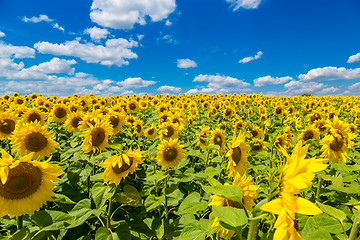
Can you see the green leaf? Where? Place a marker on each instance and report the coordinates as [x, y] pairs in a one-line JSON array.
[[22, 234], [319, 235], [334, 212], [101, 193], [192, 204], [152, 202], [230, 218], [123, 231], [103, 234], [52, 220], [231, 192], [130, 196]]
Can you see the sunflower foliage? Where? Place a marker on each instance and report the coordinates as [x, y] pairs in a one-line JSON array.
[[183, 167]]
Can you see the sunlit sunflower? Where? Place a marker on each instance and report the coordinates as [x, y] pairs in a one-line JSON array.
[[138, 128], [72, 123], [310, 132], [228, 112], [170, 153], [237, 154], [7, 124], [258, 145], [168, 131], [282, 141], [203, 137], [321, 125], [34, 114], [333, 146], [59, 112], [239, 125], [129, 120], [25, 184], [249, 194], [256, 132], [33, 137], [218, 138], [132, 106], [96, 137], [150, 132], [119, 166], [117, 120]]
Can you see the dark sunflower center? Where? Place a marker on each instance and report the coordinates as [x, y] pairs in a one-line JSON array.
[[73, 109], [254, 133], [7, 126], [124, 166], [114, 121], [22, 181], [97, 136], [257, 147], [228, 112], [132, 106], [278, 110], [232, 203], [236, 155], [337, 143], [35, 142], [151, 131], [19, 101], [60, 112], [308, 135], [138, 128], [321, 127], [75, 122], [33, 117], [218, 140], [169, 131], [201, 137], [170, 154], [315, 117]]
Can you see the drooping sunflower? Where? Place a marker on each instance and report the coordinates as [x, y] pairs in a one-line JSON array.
[[25, 184], [249, 194], [96, 137], [33, 137], [237, 155], [150, 132], [218, 138], [72, 123], [119, 166], [7, 124], [34, 114], [282, 141], [59, 112], [170, 153]]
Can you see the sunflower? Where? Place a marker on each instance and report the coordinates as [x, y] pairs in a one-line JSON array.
[[249, 194], [228, 112], [150, 132], [72, 123], [25, 184], [255, 132], [96, 137], [7, 124], [34, 114], [321, 125], [258, 145], [119, 166], [237, 154], [116, 120], [168, 131], [203, 136], [132, 106], [217, 138], [59, 112], [310, 132], [138, 127], [282, 141], [33, 137], [170, 153]]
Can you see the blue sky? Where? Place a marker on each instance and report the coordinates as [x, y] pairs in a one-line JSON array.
[[112, 47]]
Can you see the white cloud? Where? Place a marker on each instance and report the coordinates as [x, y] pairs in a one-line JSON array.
[[2, 34], [43, 18], [219, 84], [169, 39], [354, 58], [330, 73], [123, 14], [186, 63], [97, 33], [136, 82], [328, 91], [8, 50], [55, 65], [34, 19], [168, 23], [140, 36], [300, 87], [262, 81], [248, 59], [248, 4], [167, 89], [114, 52]]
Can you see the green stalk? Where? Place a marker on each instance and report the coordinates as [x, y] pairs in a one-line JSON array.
[[166, 203], [108, 219], [354, 229], [318, 189], [19, 222], [253, 229]]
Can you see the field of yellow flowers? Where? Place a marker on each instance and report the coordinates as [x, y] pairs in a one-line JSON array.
[[186, 167]]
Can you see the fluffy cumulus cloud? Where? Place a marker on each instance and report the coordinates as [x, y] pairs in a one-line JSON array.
[[97, 33], [219, 84], [267, 80], [186, 63], [300, 87], [2, 34], [8, 50], [43, 18], [330, 73], [248, 4], [114, 52], [123, 14], [55, 65], [136, 82], [169, 89], [251, 58], [354, 58]]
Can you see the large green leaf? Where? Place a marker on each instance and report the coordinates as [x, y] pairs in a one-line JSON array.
[[334, 212], [231, 192], [101, 193], [192, 204], [130, 196], [52, 220], [231, 218]]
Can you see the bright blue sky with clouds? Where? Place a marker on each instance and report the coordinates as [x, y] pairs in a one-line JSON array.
[[111, 47]]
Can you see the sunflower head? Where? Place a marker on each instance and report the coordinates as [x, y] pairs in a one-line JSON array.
[[150, 132], [170, 153], [258, 145], [96, 137], [59, 112], [7, 124], [72, 123], [309, 132], [138, 127], [203, 136], [34, 114], [168, 131], [217, 138], [237, 154]]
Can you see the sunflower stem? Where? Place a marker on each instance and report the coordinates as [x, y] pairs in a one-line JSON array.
[[318, 189], [19, 222], [166, 203], [354, 229], [108, 219], [253, 229]]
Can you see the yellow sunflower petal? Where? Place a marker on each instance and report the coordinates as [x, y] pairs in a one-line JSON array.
[[273, 206], [306, 207]]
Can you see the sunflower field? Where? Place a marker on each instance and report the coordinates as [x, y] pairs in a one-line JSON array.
[[186, 167]]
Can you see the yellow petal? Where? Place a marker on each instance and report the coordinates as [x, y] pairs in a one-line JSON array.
[[4, 173], [306, 207], [126, 159], [274, 206]]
